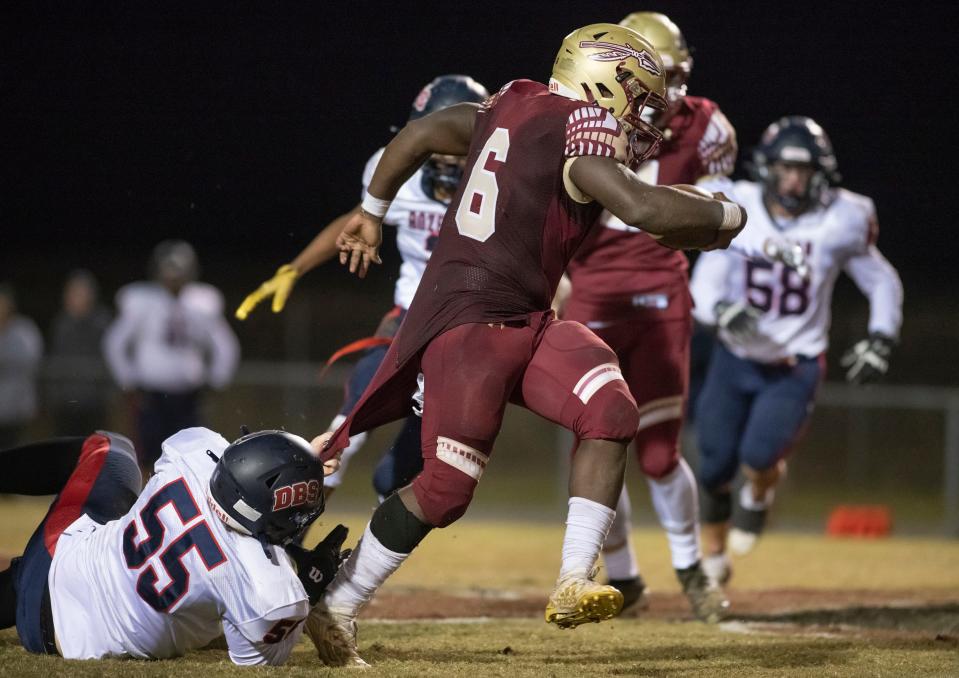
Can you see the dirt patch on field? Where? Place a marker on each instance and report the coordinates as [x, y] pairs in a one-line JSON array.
[[900, 612], [879, 614]]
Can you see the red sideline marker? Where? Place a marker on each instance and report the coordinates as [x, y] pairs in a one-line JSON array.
[[868, 521]]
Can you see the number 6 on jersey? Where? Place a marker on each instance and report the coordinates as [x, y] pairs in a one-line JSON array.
[[476, 214]]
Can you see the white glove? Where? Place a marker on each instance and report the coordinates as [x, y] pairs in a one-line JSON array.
[[867, 360], [740, 320]]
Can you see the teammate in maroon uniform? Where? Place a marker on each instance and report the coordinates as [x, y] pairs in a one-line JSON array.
[[541, 164], [634, 294]]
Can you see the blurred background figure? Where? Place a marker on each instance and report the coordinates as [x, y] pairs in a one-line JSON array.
[[169, 342], [20, 349], [773, 327], [78, 399]]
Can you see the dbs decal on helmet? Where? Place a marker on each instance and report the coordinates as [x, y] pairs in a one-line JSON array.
[[616, 52], [296, 494], [423, 98]]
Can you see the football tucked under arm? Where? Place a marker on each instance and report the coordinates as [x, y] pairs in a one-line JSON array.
[[697, 239], [680, 218], [597, 148]]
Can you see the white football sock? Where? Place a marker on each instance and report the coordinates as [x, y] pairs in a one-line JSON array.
[[717, 568], [677, 506], [356, 442], [621, 561], [587, 524], [361, 575], [746, 498]]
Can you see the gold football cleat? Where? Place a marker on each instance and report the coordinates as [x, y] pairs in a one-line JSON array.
[[334, 635], [579, 600]]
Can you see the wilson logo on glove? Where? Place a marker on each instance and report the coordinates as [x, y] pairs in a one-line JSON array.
[[296, 494]]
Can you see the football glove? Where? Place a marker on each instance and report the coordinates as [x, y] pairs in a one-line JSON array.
[[317, 568], [740, 320], [867, 360], [279, 286]]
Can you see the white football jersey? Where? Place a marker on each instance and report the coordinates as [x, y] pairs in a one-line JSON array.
[[171, 343], [417, 218], [170, 576], [838, 235]]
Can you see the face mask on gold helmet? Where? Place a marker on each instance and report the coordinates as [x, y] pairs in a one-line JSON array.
[[616, 68], [666, 37]]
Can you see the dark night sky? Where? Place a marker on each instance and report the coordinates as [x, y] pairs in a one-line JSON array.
[[244, 127]]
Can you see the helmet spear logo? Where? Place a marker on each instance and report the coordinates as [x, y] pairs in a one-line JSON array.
[[616, 52]]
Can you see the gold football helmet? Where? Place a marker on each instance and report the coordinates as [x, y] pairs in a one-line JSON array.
[[618, 69], [666, 37]]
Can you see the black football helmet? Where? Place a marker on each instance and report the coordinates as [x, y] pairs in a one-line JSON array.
[[268, 484], [174, 263], [800, 140], [442, 92]]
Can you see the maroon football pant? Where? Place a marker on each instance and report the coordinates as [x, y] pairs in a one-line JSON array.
[[557, 369], [654, 357]]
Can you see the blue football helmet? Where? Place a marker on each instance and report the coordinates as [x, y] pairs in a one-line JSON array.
[[268, 484], [798, 140], [444, 91]]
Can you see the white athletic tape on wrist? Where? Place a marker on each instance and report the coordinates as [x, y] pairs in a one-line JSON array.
[[375, 206], [732, 216]]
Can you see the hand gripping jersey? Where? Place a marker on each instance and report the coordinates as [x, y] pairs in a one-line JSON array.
[[417, 218], [838, 235], [618, 266], [506, 238], [169, 576]]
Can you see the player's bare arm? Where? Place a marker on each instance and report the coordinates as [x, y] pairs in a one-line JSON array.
[[445, 132], [323, 247], [320, 250], [678, 218]]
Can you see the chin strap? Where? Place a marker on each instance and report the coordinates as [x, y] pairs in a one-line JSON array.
[[267, 551]]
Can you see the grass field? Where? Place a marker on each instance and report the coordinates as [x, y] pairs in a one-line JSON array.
[[797, 616]]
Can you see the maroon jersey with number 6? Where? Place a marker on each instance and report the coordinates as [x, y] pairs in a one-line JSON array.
[[507, 237], [512, 226]]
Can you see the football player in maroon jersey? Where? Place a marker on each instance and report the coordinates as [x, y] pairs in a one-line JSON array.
[[542, 162], [634, 294]]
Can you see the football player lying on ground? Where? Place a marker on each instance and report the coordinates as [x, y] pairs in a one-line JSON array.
[[198, 554], [542, 163]]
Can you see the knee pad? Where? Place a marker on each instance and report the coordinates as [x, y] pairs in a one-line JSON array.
[[396, 528], [716, 469], [611, 414], [444, 488], [715, 506], [658, 448], [762, 462]]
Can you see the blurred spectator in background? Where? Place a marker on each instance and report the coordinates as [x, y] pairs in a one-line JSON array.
[[77, 397], [169, 341], [20, 349]]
